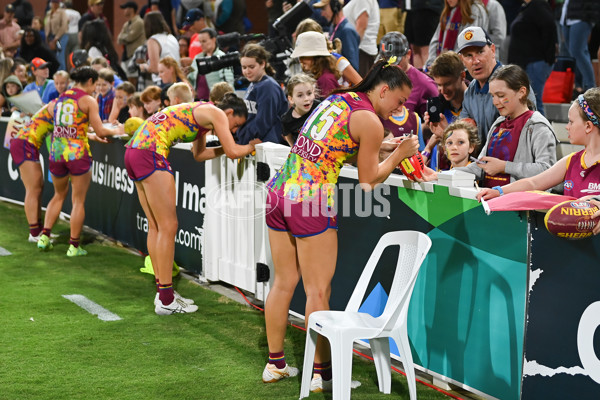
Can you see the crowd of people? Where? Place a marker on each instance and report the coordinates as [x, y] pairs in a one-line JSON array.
[[367, 82]]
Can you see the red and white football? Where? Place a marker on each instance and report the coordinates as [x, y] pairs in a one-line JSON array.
[[412, 167], [571, 219]]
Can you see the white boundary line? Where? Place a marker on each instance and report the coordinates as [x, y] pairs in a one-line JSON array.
[[92, 307]]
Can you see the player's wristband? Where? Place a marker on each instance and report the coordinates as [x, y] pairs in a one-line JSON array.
[[426, 154], [499, 189]]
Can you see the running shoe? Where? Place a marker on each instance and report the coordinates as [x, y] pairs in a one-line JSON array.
[[176, 307], [76, 251], [34, 239], [177, 296], [44, 243], [318, 385], [272, 374]]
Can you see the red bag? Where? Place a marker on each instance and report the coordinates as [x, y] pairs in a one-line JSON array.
[[559, 87]]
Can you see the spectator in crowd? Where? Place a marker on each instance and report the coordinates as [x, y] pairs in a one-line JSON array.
[[99, 63], [364, 17], [23, 12], [396, 44], [349, 75], [340, 28], [448, 72], [193, 24], [11, 86], [459, 142], [577, 172], [264, 98], [160, 43], [73, 31], [97, 41], [218, 91], [391, 17], [180, 92], [19, 69], [95, 9], [56, 86], [274, 11], [526, 50], [37, 23], [311, 49], [6, 65], [120, 110], [456, 16], [165, 7], [56, 34], [577, 19], [497, 25], [170, 72], [206, 6], [184, 54], [230, 16], [136, 106], [151, 99], [105, 92], [131, 37], [204, 82], [478, 55], [521, 142], [9, 30], [301, 96], [32, 47], [41, 72], [422, 19]]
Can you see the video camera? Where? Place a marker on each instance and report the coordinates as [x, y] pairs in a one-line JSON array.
[[279, 45]]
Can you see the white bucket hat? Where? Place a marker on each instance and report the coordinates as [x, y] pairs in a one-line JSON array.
[[309, 44]]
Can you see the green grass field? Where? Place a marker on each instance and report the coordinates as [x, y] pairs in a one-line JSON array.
[[53, 349]]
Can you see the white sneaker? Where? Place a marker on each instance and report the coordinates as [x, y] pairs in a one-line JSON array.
[[317, 384], [177, 296], [34, 239], [272, 374], [176, 307]]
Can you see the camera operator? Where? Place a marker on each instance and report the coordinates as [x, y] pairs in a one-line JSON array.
[[203, 83], [264, 98]]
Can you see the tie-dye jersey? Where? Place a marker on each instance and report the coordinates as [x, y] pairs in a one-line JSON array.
[[69, 139], [325, 142], [41, 123], [168, 127]]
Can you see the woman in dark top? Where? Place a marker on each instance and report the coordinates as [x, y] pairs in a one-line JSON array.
[[32, 46]]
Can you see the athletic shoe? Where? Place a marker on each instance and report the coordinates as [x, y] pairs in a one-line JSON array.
[[44, 243], [76, 251], [54, 236], [272, 374], [317, 384], [34, 239], [177, 296], [176, 307]]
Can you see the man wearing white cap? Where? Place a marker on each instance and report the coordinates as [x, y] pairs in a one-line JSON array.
[[478, 55]]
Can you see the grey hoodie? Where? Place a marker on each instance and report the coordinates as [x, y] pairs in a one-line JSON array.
[[536, 151]]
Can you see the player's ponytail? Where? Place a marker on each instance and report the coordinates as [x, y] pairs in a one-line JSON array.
[[84, 74], [231, 101], [383, 71]]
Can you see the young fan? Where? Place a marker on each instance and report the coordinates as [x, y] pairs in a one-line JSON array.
[[301, 95], [460, 141]]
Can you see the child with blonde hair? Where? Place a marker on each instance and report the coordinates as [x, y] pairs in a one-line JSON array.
[[180, 92], [460, 140]]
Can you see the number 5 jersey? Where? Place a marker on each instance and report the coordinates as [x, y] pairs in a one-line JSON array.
[[325, 142]]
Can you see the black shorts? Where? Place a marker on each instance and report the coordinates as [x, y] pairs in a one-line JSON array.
[[420, 26]]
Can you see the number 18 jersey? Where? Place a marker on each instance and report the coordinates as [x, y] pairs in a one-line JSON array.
[[69, 139], [324, 143]]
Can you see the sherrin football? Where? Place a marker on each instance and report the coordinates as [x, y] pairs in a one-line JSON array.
[[412, 167], [571, 219]]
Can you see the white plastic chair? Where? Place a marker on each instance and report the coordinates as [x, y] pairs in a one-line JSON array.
[[342, 328]]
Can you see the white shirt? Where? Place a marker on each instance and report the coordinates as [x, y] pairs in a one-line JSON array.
[[353, 10], [73, 17]]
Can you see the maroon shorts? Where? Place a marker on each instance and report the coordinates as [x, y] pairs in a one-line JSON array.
[[74, 167], [21, 150], [301, 219], [140, 164]]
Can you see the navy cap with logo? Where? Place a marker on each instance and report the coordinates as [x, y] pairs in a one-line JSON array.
[[9, 9], [192, 16]]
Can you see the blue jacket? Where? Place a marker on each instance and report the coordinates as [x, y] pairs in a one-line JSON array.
[[266, 104]]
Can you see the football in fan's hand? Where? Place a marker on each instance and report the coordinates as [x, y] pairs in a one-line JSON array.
[[571, 219], [412, 167]]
